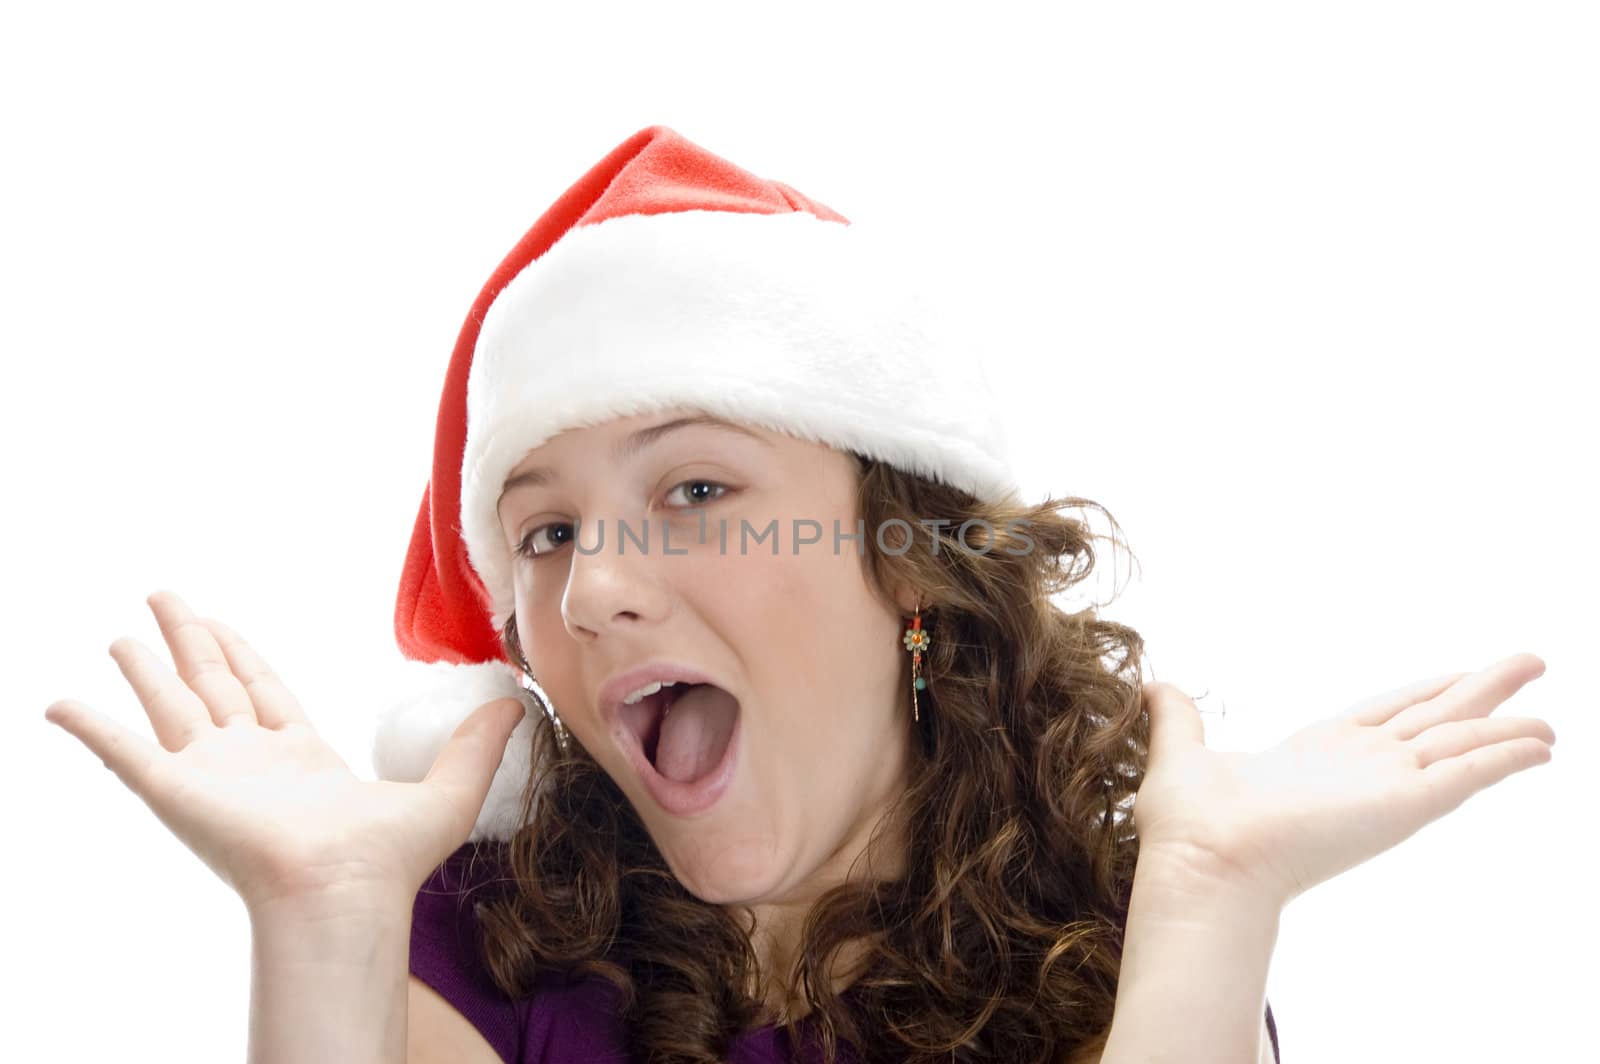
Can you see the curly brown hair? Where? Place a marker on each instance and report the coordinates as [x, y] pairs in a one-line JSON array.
[[1002, 940]]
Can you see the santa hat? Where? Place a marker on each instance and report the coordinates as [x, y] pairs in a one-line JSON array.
[[665, 276]]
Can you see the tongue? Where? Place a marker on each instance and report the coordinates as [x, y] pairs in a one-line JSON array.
[[695, 733]]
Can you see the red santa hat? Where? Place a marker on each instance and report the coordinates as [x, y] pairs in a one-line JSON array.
[[665, 276]]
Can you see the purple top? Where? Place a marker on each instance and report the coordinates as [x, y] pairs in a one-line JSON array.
[[559, 1023]]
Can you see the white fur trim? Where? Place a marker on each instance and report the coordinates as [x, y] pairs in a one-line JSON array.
[[423, 714], [813, 328]]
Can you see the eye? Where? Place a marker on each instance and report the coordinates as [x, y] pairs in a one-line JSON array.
[[529, 548], [722, 490], [526, 547]]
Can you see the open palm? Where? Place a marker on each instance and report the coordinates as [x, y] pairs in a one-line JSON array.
[[242, 778], [1337, 792]]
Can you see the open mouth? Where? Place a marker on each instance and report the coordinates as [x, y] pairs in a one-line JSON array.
[[686, 737], [645, 717]]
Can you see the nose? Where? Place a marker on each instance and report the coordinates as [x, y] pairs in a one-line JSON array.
[[608, 590]]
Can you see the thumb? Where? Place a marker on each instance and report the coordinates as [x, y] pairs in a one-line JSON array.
[[466, 766], [1175, 723]]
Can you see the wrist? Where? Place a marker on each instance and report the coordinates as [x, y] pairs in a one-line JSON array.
[[328, 977], [350, 909], [1195, 955], [1188, 877]]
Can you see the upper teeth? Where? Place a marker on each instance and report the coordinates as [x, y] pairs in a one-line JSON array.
[[649, 689]]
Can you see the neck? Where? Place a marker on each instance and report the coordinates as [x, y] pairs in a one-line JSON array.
[[777, 939], [782, 1000]]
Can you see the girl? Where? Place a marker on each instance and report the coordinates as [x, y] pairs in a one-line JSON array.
[[756, 732]]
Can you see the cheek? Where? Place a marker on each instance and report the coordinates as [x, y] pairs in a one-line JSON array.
[[787, 592], [816, 626], [553, 659]]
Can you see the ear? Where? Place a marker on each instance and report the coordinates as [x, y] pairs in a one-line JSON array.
[[907, 598]]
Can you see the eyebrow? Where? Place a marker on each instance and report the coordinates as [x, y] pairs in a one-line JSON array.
[[631, 445]]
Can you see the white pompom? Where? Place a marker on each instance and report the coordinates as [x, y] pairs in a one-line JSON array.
[[430, 700]]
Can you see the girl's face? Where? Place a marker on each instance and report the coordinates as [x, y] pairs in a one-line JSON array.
[[796, 635]]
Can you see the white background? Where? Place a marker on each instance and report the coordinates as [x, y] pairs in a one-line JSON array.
[[1305, 295]]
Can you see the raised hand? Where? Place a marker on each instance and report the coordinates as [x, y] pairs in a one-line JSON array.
[[245, 781], [1336, 793]]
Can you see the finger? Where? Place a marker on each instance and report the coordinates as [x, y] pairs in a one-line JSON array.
[[1174, 718], [1456, 737], [135, 759], [1476, 695], [200, 661], [274, 705], [1379, 708], [1450, 782], [466, 766], [176, 713]]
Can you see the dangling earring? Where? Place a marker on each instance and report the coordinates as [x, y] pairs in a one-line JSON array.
[[531, 685], [916, 641]]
